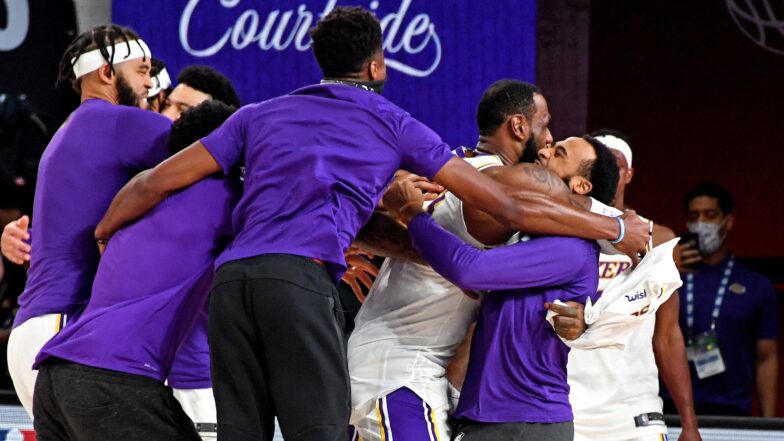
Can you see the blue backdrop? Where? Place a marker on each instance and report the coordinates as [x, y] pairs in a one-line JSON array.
[[441, 54]]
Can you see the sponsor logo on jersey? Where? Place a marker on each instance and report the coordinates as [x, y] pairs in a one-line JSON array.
[[637, 296]]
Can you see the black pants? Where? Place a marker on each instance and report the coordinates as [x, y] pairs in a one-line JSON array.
[[278, 349], [466, 430], [81, 403]]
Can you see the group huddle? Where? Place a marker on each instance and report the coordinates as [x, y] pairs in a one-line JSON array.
[[183, 275]]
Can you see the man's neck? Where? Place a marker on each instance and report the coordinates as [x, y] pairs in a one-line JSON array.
[[494, 146], [88, 94], [619, 202], [717, 257]]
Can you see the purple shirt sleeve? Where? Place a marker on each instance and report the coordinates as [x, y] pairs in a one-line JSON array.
[[423, 151], [556, 259], [769, 313], [227, 143], [150, 132]]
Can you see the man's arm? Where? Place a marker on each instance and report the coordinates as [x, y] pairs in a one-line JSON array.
[[767, 376], [487, 229], [150, 187], [670, 353], [521, 209], [384, 236], [556, 259]]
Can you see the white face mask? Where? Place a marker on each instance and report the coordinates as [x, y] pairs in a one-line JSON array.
[[710, 239]]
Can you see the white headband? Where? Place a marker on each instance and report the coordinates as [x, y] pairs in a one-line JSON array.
[[616, 143], [159, 82], [93, 60]]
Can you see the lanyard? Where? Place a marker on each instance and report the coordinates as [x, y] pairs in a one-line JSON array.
[[725, 281]]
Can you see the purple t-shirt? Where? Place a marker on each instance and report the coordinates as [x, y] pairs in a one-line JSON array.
[[316, 163], [517, 369], [150, 288], [191, 366], [93, 154], [749, 313]]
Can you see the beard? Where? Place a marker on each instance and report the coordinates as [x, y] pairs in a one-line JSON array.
[[530, 152], [125, 94]]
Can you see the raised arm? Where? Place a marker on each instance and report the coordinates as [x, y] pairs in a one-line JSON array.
[[556, 259], [150, 187], [530, 210]]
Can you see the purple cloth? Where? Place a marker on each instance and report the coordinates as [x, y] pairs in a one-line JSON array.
[[316, 163], [152, 284], [191, 366], [95, 152], [749, 313], [405, 416], [517, 370]]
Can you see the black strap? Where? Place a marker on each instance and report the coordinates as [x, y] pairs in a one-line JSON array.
[[649, 419]]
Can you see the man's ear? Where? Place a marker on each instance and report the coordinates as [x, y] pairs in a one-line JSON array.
[[373, 70], [105, 74], [628, 175], [580, 185], [519, 127], [730, 222]]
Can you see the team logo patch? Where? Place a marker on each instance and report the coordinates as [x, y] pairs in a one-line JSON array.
[[737, 288]]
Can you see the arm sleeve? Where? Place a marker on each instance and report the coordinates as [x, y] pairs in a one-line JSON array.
[[538, 263], [227, 143], [423, 152], [769, 310], [142, 138]]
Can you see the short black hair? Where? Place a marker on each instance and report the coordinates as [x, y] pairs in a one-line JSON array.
[[503, 99], [198, 122], [602, 172], [612, 132], [210, 81], [711, 190], [99, 37], [344, 40]]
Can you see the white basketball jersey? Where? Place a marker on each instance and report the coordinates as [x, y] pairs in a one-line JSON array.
[[609, 387], [413, 320]]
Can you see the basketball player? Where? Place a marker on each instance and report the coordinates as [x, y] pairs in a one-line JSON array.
[[402, 342], [198, 83], [189, 375], [161, 87], [516, 383], [328, 151], [615, 394], [95, 152], [102, 376]]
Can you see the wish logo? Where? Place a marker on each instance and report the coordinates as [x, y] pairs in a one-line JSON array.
[[639, 295], [411, 43]]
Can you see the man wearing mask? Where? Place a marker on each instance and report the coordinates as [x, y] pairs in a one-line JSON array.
[[729, 316]]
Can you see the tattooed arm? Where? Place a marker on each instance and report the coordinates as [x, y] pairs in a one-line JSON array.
[[526, 178]]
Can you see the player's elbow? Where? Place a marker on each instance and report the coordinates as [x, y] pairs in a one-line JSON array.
[[152, 186]]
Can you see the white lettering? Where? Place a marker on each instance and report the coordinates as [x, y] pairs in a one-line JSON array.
[[17, 24], [280, 33], [244, 31]]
